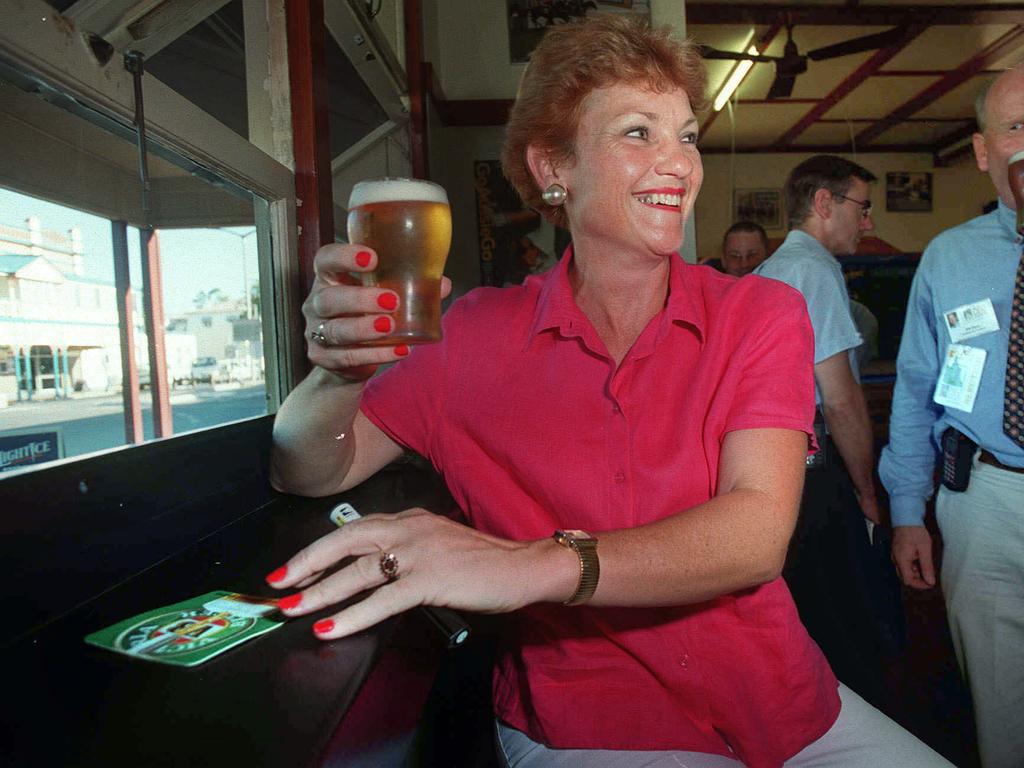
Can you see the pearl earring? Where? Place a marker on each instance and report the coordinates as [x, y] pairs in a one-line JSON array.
[[554, 195]]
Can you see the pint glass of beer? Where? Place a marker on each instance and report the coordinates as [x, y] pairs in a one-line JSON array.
[[408, 223], [1016, 179]]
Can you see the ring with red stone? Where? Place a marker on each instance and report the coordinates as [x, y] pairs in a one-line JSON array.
[[389, 565]]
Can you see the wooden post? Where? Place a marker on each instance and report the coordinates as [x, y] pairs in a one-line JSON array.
[[418, 146], [310, 135], [153, 307], [133, 432]]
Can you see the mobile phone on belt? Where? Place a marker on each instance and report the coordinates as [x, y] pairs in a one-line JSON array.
[[957, 455]]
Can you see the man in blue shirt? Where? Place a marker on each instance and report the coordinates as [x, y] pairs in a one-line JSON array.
[[950, 374], [838, 585], [829, 205]]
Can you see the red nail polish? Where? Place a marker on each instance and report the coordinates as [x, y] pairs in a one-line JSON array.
[[402, 350], [382, 324], [279, 575], [363, 258], [290, 601], [387, 301], [323, 626]]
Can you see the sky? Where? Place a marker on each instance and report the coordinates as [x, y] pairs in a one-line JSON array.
[[192, 260]]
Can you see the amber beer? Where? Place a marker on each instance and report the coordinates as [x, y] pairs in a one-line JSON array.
[[1016, 178], [408, 223]]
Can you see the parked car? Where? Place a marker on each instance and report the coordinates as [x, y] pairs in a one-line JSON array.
[[205, 369]]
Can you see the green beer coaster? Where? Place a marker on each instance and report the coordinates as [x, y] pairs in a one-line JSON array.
[[193, 631]]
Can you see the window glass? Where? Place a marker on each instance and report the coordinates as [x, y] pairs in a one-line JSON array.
[[71, 205], [206, 65], [353, 111]]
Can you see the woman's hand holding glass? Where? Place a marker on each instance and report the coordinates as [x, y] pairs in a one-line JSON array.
[[343, 318]]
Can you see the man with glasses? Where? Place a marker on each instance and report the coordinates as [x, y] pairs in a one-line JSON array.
[[847, 596]]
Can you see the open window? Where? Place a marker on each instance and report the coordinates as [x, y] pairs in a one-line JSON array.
[[120, 281]]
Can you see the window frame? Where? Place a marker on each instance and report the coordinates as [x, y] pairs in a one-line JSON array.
[[38, 48]]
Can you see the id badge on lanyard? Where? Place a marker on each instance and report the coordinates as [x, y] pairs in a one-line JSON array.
[[960, 377]]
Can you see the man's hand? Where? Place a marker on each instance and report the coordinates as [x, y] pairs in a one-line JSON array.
[[912, 555], [846, 413], [869, 506]]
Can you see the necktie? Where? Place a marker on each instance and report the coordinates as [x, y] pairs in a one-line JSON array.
[[1013, 401]]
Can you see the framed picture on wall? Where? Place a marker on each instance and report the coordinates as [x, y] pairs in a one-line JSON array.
[[761, 206], [528, 20], [908, 192]]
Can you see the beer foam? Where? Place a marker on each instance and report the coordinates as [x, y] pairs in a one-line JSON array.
[[396, 190]]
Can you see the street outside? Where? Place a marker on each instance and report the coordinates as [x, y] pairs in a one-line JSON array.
[[93, 422]]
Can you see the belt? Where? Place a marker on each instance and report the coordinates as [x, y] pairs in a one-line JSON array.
[[988, 458]]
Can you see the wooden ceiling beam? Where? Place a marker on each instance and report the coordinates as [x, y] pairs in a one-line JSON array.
[[778, 102], [956, 136], [922, 72], [814, 149], [928, 120], [941, 161], [471, 113], [859, 75], [860, 15], [1005, 45]]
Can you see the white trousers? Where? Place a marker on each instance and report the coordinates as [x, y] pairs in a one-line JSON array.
[[861, 737], [983, 582]]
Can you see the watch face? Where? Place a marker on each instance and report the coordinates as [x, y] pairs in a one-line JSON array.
[[573, 534]]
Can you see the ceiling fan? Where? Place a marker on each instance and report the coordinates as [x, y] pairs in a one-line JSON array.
[[792, 63]]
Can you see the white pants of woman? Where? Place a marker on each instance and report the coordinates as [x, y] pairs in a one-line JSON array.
[[861, 737], [983, 582]]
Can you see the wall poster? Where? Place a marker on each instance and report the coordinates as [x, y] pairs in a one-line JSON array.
[[528, 20], [507, 231]]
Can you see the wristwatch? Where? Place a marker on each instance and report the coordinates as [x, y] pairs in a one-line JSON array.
[[585, 547]]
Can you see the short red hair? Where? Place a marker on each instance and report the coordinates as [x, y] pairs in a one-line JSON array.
[[571, 61]]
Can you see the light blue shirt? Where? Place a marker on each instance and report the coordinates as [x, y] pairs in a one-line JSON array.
[[972, 262], [805, 264]]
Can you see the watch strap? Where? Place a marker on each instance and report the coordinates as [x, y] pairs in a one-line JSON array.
[[585, 547]]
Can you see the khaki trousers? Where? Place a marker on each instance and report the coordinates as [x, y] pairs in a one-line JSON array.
[[983, 581]]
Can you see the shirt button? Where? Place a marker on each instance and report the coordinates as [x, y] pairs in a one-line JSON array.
[[685, 661], [620, 476]]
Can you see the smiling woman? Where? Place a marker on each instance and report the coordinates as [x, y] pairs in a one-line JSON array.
[[628, 453], [550, 97], [633, 176]]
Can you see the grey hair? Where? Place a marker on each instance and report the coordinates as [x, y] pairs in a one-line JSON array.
[[979, 103], [979, 100]]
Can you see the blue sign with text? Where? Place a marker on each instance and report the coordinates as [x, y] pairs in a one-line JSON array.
[[26, 448]]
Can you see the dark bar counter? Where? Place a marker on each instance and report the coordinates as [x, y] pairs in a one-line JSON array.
[[281, 699]]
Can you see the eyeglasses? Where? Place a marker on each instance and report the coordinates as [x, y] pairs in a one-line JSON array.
[[865, 205]]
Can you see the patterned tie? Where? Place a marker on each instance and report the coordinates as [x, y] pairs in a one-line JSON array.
[[1013, 402]]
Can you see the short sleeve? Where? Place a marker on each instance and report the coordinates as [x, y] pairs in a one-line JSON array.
[[828, 303], [774, 386], [406, 400]]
